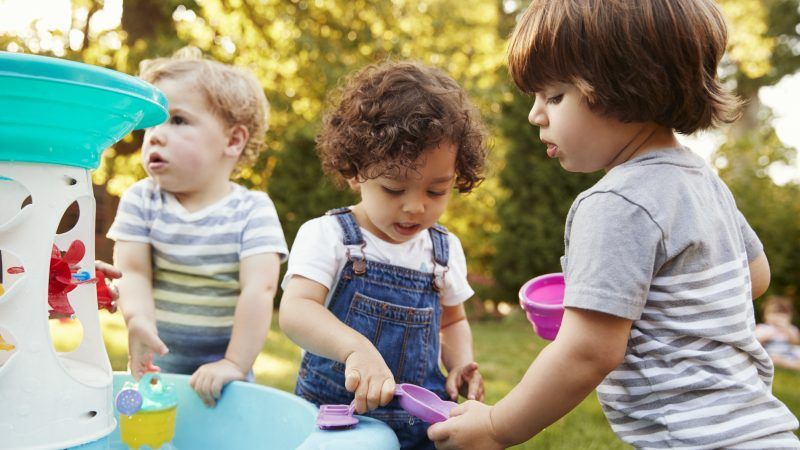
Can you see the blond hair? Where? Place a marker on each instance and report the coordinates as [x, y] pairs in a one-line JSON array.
[[232, 94], [634, 60]]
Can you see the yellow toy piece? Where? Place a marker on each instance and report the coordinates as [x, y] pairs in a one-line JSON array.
[[5, 345], [147, 411], [2, 289], [151, 428]]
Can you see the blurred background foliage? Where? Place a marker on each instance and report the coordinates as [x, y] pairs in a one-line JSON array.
[[512, 225]]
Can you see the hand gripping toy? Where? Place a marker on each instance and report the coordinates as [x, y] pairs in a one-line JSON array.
[[415, 400]]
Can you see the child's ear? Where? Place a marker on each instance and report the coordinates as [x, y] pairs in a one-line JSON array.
[[237, 140], [354, 184]]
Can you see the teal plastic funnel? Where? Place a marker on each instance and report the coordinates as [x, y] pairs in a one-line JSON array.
[[64, 112]]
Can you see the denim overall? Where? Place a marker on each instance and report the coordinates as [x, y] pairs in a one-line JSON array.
[[398, 310]]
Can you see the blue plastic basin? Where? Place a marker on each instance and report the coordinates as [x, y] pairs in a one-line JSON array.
[[252, 416]]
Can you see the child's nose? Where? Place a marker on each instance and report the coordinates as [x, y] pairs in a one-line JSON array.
[[537, 116], [414, 205], [154, 135]]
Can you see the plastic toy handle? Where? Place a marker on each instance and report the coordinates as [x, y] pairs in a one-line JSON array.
[[148, 381], [81, 276], [158, 395]]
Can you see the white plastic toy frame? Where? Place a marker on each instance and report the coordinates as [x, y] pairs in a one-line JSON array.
[[48, 399]]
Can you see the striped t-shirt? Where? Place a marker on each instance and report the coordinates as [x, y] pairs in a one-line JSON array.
[[659, 240], [196, 259]]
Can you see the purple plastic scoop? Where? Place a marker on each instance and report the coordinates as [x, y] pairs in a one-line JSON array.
[[415, 400], [423, 404], [336, 417]]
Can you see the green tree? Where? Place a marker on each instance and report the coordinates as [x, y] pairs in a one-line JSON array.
[[300, 50], [763, 41], [536, 192], [533, 212]]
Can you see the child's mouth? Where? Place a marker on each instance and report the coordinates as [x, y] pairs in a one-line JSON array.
[[406, 229], [155, 162], [552, 149]]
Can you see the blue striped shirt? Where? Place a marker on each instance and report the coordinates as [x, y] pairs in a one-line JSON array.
[[196, 259]]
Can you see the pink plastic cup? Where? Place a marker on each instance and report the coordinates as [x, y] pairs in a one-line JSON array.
[[542, 298]]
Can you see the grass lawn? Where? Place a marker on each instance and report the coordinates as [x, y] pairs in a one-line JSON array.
[[504, 349]]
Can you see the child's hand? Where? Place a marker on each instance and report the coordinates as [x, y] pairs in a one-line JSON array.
[[209, 379], [469, 426], [367, 374], [465, 380], [143, 341], [111, 273]]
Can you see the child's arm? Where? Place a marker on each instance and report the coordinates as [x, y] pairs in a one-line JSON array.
[[457, 355], [588, 347], [307, 322], [258, 277], [137, 305], [759, 275]]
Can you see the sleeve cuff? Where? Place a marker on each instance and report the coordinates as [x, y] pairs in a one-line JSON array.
[[127, 238], [313, 274]]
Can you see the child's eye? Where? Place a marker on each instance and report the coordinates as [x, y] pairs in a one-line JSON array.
[[391, 191], [437, 193], [177, 120], [556, 99]]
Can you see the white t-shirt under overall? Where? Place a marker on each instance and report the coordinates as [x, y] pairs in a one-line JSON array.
[[319, 254]]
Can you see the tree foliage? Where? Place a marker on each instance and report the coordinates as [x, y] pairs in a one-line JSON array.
[[538, 196], [512, 225], [301, 50], [764, 48]]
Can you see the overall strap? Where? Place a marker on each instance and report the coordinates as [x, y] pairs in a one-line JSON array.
[[441, 254], [441, 246], [352, 238], [350, 228]]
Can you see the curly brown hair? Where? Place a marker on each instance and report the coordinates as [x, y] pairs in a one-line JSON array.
[[232, 93], [633, 60], [386, 115]]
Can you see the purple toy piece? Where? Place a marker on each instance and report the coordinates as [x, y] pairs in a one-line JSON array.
[[423, 404], [542, 298], [415, 400], [128, 401], [336, 417]]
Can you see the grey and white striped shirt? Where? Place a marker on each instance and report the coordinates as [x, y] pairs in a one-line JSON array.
[[659, 240], [196, 258]]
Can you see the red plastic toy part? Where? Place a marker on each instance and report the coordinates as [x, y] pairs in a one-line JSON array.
[[63, 265]]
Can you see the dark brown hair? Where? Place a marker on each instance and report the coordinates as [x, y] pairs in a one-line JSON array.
[[634, 60], [387, 115]]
